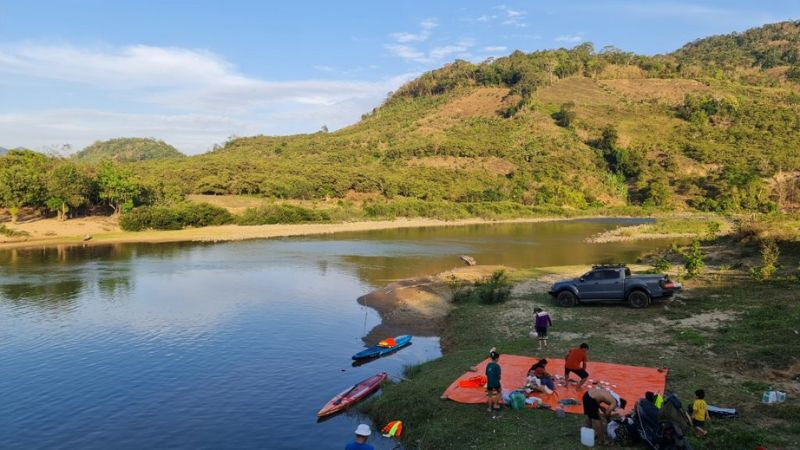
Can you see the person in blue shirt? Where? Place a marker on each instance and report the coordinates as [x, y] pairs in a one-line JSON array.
[[362, 433], [493, 389]]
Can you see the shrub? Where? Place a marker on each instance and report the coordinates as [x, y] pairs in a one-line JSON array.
[[694, 259], [660, 264], [174, 217], [769, 260], [497, 289], [10, 232], [271, 214]]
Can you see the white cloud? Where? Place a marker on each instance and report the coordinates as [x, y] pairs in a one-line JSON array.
[[433, 55], [192, 98], [495, 48], [407, 52], [403, 49], [511, 17], [429, 24], [569, 38], [447, 50], [425, 32]]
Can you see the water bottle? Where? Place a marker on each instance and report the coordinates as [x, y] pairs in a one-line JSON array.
[[768, 397]]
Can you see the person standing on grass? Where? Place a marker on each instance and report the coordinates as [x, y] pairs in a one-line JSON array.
[[700, 413], [493, 391], [576, 362], [541, 323]]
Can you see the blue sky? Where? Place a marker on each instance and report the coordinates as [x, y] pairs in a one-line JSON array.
[[194, 73]]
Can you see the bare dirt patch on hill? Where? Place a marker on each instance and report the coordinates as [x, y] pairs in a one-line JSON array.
[[667, 91]]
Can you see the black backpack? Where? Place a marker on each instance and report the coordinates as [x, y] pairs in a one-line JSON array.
[[626, 433]]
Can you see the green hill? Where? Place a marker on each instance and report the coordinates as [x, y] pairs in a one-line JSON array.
[[128, 150], [714, 126]]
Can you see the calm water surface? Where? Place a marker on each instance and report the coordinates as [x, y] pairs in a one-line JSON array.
[[234, 345]]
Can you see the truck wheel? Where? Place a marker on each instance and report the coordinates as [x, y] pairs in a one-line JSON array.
[[638, 299], [566, 299]]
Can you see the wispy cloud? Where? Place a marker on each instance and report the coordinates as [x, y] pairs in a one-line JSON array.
[[503, 15], [191, 93], [402, 46], [570, 38], [423, 34], [495, 48], [512, 17]]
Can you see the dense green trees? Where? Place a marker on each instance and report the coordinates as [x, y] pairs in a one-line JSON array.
[[68, 187], [128, 150], [22, 180], [117, 186]]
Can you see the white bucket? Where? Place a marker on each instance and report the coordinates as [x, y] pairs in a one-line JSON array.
[[587, 437]]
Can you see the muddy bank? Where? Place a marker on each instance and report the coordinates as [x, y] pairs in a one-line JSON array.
[[418, 305]]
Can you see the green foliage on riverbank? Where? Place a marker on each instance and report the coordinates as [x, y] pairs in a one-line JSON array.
[[174, 217]]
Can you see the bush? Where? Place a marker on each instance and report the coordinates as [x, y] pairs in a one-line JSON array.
[[497, 289], [174, 217], [272, 214], [769, 260], [694, 259], [660, 264], [10, 232]]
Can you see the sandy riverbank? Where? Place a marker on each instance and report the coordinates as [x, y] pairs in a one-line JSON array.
[[419, 305], [104, 230]]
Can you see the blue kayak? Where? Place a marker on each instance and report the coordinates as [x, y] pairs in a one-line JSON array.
[[376, 350]]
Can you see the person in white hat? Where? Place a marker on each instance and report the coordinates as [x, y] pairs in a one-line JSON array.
[[362, 433]]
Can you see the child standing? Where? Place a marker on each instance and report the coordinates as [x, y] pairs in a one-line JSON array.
[[493, 391], [700, 413], [541, 323]]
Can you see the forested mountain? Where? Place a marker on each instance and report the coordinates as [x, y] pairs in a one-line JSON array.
[[3, 150], [714, 125], [128, 150]]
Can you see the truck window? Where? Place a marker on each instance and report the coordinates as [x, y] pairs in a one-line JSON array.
[[610, 274], [588, 276]]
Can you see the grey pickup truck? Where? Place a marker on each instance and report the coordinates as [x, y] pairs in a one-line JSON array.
[[613, 283]]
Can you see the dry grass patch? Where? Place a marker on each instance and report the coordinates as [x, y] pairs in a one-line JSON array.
[[492, 164], [666, 91], [481, 102], [581, 91]]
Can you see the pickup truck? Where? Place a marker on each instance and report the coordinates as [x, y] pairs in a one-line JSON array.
[[613, 284]]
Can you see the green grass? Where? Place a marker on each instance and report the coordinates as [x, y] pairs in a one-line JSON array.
[[729, 360]]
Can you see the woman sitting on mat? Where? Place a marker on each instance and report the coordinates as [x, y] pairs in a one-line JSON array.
[[539, 379]]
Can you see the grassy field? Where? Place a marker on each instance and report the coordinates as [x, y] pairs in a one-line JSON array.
[[725, 334]]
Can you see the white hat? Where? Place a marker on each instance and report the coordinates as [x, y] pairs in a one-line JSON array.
[[363, 430]]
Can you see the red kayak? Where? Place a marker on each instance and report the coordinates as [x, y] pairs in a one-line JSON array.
[[353, 395]]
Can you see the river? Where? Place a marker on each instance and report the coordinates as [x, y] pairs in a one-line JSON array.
[[231, 345]]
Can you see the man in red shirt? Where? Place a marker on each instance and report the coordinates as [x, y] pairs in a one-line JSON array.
[[576, 362]]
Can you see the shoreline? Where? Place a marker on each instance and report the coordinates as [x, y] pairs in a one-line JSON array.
[[419, 305], [227, 233]]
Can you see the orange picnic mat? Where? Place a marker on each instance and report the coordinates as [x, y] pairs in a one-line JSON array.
[[630, 382]]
